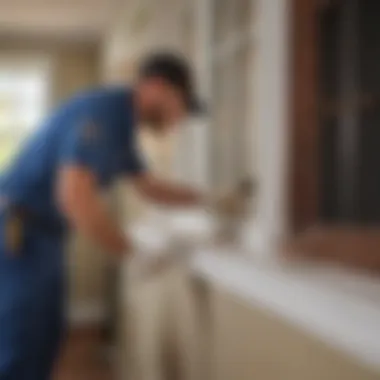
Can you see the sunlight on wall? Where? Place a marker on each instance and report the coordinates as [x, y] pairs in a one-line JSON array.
[[24, 86]]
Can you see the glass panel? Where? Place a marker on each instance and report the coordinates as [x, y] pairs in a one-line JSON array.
[[22, 104]]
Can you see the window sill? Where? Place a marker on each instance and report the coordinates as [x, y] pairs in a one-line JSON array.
[[337, 306]]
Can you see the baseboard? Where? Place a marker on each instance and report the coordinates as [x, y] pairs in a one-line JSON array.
[[87, 314]]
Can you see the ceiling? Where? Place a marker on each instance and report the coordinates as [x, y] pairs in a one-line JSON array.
[[73, 19]]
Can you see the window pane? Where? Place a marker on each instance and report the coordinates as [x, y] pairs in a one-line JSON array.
[[8, 145], [23, 93]]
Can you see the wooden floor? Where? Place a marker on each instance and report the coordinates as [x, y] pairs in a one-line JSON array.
[[82, 357]]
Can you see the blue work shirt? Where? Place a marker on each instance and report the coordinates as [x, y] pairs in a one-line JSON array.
[[95, 130]]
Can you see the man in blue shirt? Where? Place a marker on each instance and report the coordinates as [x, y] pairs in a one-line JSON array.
[[54, 185]]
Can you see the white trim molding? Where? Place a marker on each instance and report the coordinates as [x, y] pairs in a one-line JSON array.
[[338, 307], [270, 86]]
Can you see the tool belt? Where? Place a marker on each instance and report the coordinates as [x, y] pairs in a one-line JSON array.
[[19, 220]]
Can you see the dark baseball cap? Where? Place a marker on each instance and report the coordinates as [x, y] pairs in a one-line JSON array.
[[177, 71]]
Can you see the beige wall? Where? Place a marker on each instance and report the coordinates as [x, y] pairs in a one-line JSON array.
[[74, 66], [74, 69], [141, 26], [251, 343]]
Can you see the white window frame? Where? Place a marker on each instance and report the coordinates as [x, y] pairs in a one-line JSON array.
[[270, 83], [268, 114]]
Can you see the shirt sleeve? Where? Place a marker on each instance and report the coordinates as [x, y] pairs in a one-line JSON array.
[[85, 145]]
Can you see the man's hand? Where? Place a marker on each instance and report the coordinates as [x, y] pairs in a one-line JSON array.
[[79, 201], [236, 203], [166, 193], [230, 206]]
